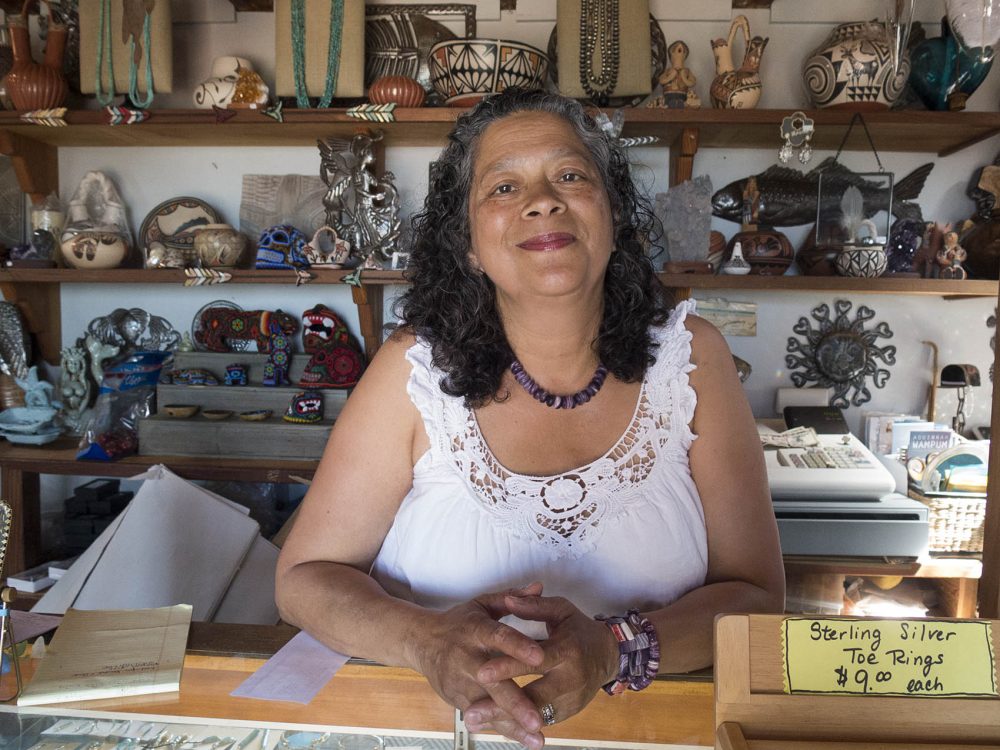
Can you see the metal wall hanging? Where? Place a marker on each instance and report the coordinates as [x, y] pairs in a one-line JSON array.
[[362, 208], [840, 353]]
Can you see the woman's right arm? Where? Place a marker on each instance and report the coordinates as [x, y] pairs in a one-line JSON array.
[[323, 585]]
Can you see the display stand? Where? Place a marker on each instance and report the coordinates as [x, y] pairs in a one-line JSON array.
[[754, 712]]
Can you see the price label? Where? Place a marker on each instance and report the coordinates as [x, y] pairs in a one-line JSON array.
[[921, 658]]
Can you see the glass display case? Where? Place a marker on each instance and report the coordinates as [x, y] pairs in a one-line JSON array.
[[49, 729]]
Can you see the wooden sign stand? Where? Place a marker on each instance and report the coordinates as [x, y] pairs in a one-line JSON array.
[[752, 711]]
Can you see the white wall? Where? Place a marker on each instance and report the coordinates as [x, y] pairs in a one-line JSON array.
[[204, 29]]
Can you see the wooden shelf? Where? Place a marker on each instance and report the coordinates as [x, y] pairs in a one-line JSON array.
[[925, 567], [837, 284], [941, 133], [59, 457], [174, 276]]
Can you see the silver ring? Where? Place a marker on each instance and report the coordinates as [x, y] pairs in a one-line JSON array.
[[548, 714]]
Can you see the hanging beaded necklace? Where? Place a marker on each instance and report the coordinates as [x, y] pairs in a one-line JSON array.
[[332, 53], [569, 401], [104, 43], [599, 31]]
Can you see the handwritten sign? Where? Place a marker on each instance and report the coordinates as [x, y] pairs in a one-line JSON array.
[[920, 658]]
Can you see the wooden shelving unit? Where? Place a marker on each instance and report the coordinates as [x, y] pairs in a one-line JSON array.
[[34, 151]]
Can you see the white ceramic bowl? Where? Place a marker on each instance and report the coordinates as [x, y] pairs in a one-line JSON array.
[[464, 71]]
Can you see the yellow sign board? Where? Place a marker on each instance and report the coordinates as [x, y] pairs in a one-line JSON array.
[[920, 658]]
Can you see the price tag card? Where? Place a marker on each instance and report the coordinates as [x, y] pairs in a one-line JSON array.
[[920, 658]]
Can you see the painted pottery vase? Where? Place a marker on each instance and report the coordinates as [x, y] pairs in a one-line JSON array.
[[232, 83], [219, 245], [465, 71], [943, 73], [93, 249], [852, 69], [737, 88], [862, 261], [768, 252], [716, 249], [32, 85], [736, 264], [399, 90]]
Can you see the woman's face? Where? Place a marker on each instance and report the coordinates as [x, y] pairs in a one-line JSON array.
[[539, 215]]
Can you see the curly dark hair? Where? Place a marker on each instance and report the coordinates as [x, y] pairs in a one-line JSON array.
[[453, 307]]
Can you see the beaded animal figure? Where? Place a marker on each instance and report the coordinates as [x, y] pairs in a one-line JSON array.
[[306, 408], [336, 360], [278, 360], [219, 325]]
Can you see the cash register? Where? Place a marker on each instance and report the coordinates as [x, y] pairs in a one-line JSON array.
[[833, 497]]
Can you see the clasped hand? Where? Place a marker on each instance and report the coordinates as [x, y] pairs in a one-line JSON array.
[[471, 660]]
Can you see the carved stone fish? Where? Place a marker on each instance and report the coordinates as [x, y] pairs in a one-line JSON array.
[[788, 196]]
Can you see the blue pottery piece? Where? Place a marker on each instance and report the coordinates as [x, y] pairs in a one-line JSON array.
[[940, 67]]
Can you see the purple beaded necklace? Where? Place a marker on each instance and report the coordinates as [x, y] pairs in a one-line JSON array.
[[570, 401]]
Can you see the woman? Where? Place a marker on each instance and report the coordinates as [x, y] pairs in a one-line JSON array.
[[545, 438]]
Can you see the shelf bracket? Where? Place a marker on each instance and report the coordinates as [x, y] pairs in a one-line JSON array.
[[682, 153], [368, 299], [39, 304], [36, 164]]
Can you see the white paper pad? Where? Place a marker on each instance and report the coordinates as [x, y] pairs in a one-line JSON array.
[[296, 673]]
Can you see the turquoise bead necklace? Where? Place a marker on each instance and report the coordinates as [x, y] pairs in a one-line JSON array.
[[332, 57], [104, 45]]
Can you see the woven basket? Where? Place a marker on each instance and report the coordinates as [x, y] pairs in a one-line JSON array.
[[956, 523]]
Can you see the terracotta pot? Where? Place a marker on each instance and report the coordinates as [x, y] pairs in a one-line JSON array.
[[403, 91], [31, 85], [768, 252]]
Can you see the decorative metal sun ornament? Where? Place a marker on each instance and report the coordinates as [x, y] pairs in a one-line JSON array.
[[840, 353]]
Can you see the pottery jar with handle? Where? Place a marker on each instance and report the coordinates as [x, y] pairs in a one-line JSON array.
[[32, 85]]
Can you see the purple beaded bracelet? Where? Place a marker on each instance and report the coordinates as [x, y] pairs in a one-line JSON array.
[[638, 652]]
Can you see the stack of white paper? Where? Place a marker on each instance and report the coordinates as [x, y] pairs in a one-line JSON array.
[[175, 543]]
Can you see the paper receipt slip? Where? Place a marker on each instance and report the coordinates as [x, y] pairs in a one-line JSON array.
[[111, 653]]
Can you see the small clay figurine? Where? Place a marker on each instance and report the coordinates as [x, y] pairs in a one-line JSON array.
[[75, 388], [950, 257], [677, 81]]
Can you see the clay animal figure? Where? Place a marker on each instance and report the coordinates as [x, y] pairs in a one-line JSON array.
[[788, 196], [219, 325]]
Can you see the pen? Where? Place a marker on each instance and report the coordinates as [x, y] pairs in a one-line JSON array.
[[248, 739]]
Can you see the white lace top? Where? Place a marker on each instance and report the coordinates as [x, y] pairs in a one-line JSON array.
[[626, 530]]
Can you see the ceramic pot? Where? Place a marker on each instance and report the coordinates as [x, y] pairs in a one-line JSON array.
[[31, 85], [232, 82], [736, 265], [465, 71], [400, 90], [93, 249], [944, 74], [862, 261], [852, 69], [737, 88], [768, 252], [219, 245]]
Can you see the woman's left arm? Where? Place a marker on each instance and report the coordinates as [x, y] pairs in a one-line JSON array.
[[745, 572]]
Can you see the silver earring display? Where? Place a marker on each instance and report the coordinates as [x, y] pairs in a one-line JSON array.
[[797, 130]]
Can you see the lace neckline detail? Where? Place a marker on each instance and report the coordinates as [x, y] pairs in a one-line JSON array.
[[477, 434]]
